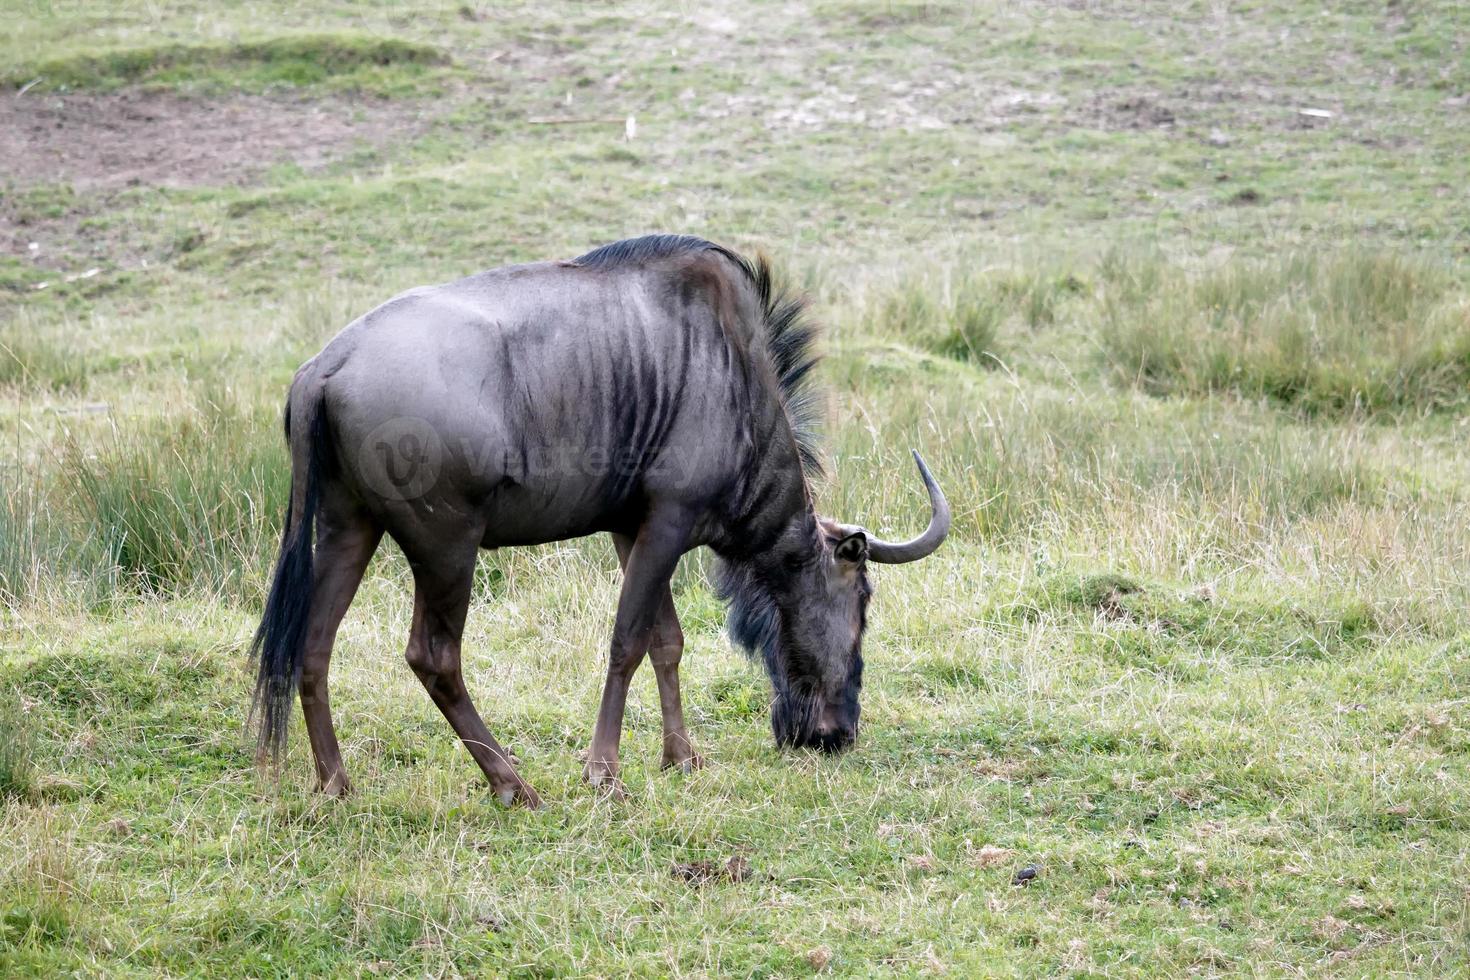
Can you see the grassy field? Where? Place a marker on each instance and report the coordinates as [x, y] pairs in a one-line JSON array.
[[1173, 298]]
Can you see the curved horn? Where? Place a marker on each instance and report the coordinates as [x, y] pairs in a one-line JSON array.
[[891, 553]]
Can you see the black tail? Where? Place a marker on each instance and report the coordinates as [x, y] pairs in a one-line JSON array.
[[280, 641]]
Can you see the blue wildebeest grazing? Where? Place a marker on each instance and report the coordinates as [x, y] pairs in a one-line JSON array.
[[653, 389]]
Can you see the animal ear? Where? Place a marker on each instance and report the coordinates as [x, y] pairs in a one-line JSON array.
[[853, 548]]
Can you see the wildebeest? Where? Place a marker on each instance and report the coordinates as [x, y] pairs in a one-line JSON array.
[[654, 389]]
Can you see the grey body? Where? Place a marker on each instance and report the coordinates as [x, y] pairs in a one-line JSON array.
[[565, 400], [653, 390]]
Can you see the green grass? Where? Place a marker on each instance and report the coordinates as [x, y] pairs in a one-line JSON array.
[[960, 321], [1333, 332], [16, 747], [346, 61], [177, 505], [30, 551], [1191, 367], [31, 362]]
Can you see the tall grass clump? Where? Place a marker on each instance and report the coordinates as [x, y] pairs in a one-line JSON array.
[[960, 312], [1326, 332], [1046, 463], [187, 503], [1036, 295], [959, 319], [30, 361], [17, 737], [34, 548]]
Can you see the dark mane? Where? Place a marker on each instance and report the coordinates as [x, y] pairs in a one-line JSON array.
[[754, 622], [630, 251], [789, 333]]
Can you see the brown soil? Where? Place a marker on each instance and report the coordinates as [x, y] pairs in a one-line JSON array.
[[108, 141]]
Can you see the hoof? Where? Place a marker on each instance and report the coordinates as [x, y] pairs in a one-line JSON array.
[[685, 764], [338, 787], [519, 794], [603, 777], [612, 788]]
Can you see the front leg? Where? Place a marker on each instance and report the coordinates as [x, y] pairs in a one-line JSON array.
[[665, 650], [646, 573]]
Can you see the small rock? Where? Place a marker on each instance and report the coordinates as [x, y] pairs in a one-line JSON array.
[[1026, 875], [1218, 137]]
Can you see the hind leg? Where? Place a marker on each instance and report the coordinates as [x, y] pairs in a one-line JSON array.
[[665, 650], [344, 543], [441, 599]]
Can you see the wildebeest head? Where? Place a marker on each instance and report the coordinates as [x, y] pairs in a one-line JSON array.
[[805, 613]]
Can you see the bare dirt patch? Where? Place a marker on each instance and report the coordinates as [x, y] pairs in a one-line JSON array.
[[97, 141], [941, 99], [1133, 112]]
